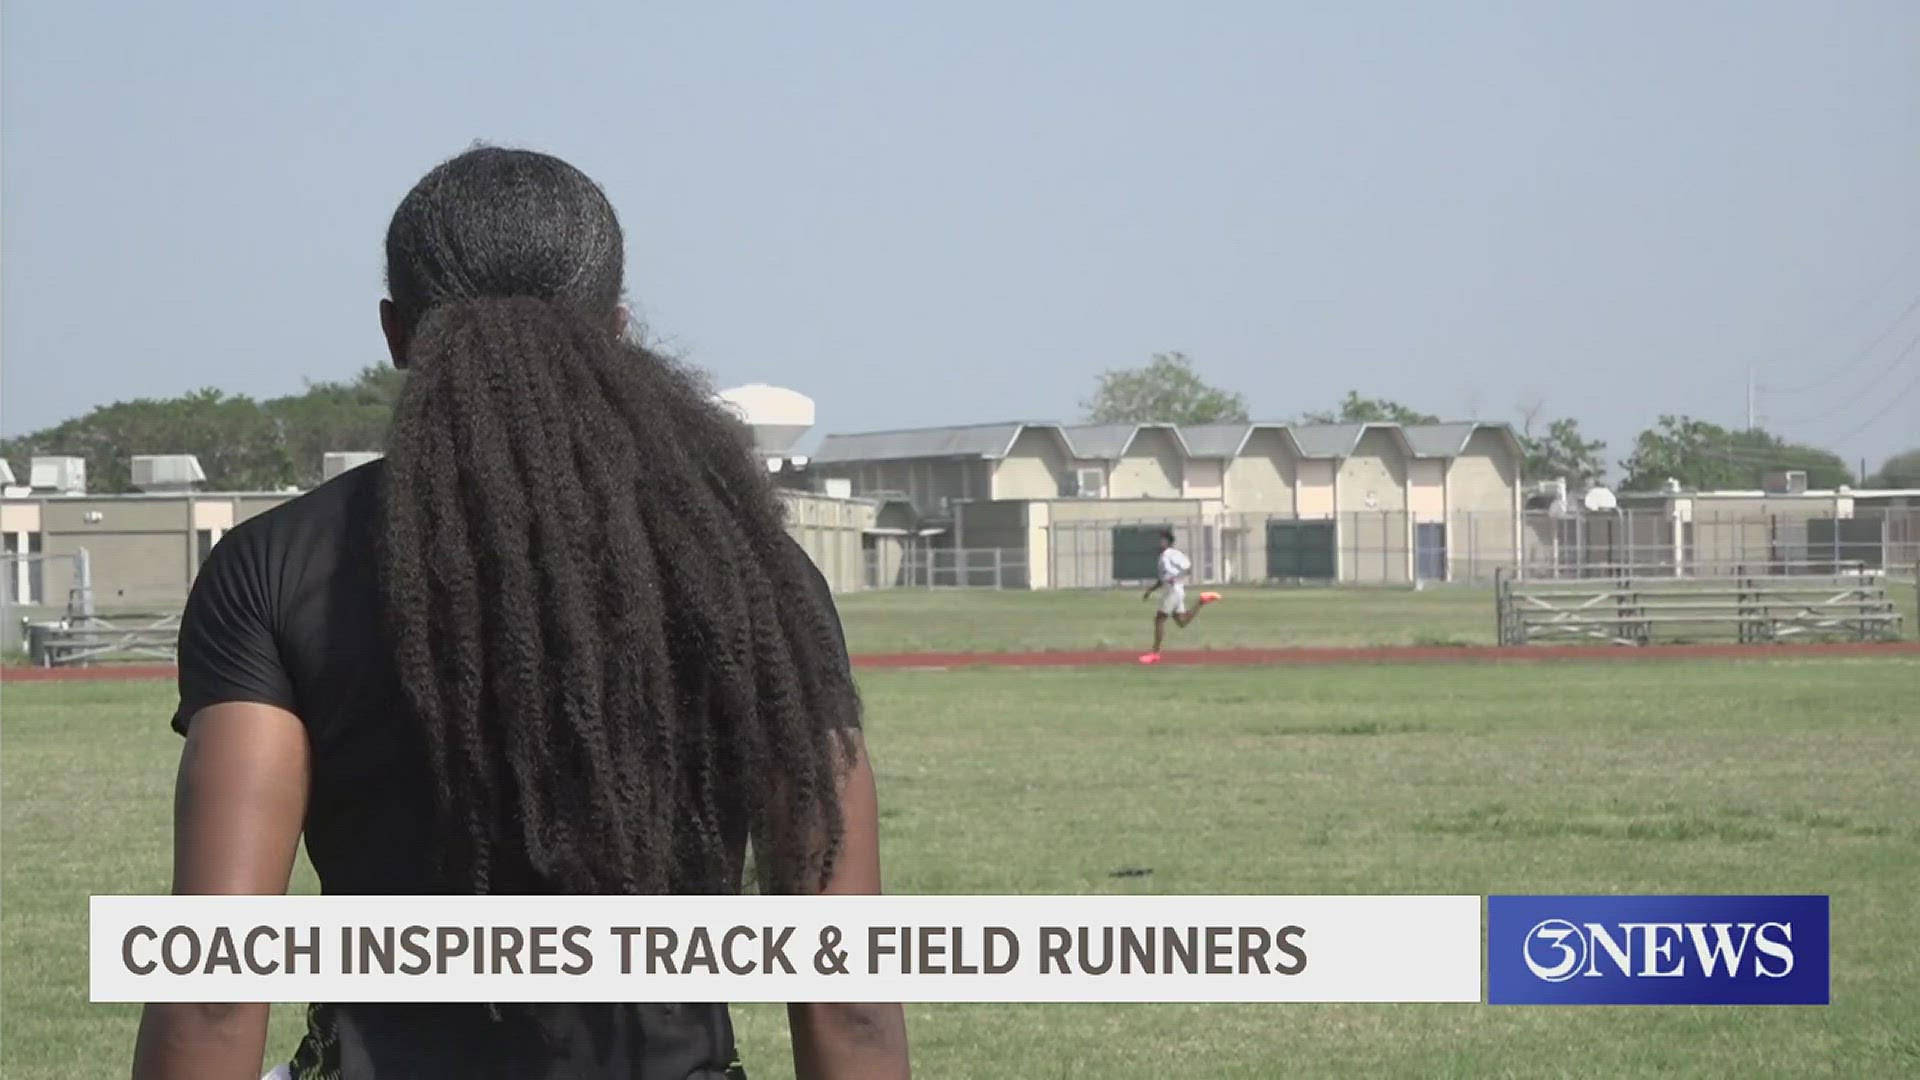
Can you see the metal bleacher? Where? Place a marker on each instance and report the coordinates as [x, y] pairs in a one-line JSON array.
[[83, 634], [1628, 606]]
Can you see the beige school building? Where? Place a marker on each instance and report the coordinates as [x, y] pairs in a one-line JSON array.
[[143, 551], [1362, 503]]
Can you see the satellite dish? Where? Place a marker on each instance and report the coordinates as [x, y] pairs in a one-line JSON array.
[[1598, 500]]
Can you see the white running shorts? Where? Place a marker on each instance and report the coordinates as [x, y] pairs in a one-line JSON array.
[[1173, 599]]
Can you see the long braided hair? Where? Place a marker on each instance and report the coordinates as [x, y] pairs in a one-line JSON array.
[[619, 659]]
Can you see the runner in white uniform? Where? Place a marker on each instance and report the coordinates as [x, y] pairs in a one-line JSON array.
[[1174, 568]]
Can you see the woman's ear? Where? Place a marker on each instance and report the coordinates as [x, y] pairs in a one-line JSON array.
[[396, 334], [619, 320]]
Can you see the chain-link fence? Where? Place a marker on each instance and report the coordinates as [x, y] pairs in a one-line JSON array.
[[1371, 548], [1394, 548], [1649, 542]]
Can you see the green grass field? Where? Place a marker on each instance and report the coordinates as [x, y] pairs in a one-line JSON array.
[[907, 620], [1753, 777]]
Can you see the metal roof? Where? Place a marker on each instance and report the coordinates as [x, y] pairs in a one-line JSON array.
[[1440, 440], [1100, 440], [1111, 441], [1327, 440], [972, 440], [1216, 440]]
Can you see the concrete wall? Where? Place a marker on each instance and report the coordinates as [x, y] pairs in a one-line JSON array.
[[1037, 467], [145, 551], [1483, 504], [1150, 469], [1375, 540], [1263, 477], [141, 551], [1204, 478], [1314, 495], [831, 532], [1427, 490], [993, 525], [1374, 477]]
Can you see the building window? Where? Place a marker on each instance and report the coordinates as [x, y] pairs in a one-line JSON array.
[[204, 540], [23, 567]]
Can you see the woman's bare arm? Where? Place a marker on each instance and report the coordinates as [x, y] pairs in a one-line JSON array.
[[834, 1041], [239, 802]]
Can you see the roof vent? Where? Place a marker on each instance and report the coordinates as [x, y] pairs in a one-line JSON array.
[[157, 473]]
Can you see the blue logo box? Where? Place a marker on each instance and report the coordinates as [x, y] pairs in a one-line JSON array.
[[1658, 950]]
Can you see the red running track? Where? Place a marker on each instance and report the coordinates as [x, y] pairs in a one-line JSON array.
[[1390, 654]]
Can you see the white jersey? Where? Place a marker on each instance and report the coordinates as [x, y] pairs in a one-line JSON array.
[[1174, 567]]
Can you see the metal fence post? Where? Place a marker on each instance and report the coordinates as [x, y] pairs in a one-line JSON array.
[[83, 573]]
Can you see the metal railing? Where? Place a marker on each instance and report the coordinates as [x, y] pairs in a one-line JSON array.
[[946, 568]]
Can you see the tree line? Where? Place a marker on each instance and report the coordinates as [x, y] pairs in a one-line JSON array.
[[246, 444]]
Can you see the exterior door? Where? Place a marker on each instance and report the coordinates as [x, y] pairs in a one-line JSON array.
[[1300, 550], [1430, 551]]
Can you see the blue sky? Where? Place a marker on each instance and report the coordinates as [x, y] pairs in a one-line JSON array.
[[964, 213]]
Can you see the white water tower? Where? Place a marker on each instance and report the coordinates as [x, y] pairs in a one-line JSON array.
[[778, 416]]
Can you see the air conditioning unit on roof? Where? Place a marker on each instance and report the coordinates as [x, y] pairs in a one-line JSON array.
[[57, 475], [339, 461], [167, 472]]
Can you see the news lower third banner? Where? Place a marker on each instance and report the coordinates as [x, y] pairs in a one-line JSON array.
[[787, 949]]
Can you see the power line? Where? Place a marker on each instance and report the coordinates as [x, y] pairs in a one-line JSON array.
[[1825, 380], [1865, 389], [1885, 411], [1857, 310]]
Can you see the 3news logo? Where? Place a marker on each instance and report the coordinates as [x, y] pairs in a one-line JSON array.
[[1657, 950]]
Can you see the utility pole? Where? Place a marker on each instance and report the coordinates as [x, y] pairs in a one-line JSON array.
[[1750, 423]]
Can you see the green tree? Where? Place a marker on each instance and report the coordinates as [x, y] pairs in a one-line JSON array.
[[1900, 471], [1562, 453], [1166, 391], [1703, 456], [351, 415], [1358, 410]]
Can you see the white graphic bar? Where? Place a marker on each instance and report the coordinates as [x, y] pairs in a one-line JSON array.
[[786, 949]]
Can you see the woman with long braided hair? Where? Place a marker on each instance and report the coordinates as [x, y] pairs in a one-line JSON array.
[[558, 641]]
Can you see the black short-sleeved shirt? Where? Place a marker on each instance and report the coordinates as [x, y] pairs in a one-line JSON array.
[[285, 612]]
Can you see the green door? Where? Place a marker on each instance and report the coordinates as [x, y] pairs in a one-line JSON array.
[[1136, 552], [1300, 550]]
